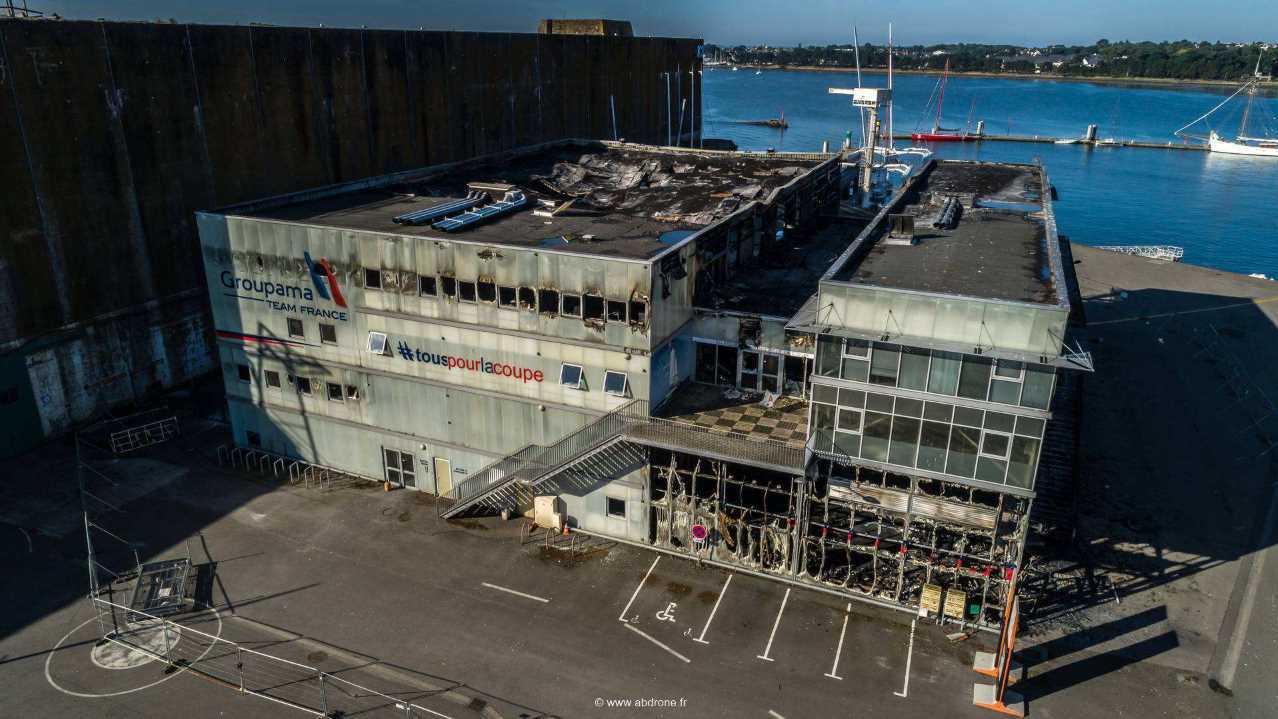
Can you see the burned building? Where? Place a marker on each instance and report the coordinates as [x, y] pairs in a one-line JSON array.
[[702, 352]]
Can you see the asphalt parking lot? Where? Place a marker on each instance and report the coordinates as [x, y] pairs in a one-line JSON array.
[[357, 579]]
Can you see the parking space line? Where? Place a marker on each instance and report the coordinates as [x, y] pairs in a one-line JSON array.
[[622, 617], [702, 638], [774, 715], [764, 656], [834, 670], [905, 690], [652, 639], [516, 593]]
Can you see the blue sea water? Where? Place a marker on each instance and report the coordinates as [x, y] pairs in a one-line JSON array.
[[1222, 209]]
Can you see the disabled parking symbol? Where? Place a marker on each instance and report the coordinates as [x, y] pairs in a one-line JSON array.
[[667, 614]]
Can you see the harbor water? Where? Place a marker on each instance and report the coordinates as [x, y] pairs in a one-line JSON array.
[[1222, 209]]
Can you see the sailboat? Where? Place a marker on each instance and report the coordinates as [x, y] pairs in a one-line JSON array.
[[938, 133], [1243, 143]]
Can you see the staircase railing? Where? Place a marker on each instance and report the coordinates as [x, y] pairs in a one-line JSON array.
[[535, 461]]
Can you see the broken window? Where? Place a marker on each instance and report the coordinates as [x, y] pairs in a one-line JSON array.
[[616, 311], [487, 291], [272, 379], [638, 312], [527, 298], [548, 301], [352, 392], [427, 286], [407, 282], [295, 328], [449, 286], [506, 296], [570, 375], [616, 508], [372, 279], [571, 306], [466, 291], [245, 374], [328, 334], [592, 307], [334, 392], [303, 385]]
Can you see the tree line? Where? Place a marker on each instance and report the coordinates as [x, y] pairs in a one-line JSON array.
[[1179, 60]]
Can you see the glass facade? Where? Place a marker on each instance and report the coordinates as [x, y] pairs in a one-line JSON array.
[[936, 436], [1021, 384]]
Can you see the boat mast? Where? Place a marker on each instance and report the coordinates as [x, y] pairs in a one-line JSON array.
[[891, 140], [941, 100], [1251, 95], [856, 53]]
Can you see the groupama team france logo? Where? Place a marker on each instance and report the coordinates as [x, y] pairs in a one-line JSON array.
[[324, 280]]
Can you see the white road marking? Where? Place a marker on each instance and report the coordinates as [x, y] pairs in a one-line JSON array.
[[667, 614], [535, 598], [706, 628], [643, 634], [622, 617], [764, 656], [48, 660], [909, 655], [774, 715], [834, 670], [1229, 666]]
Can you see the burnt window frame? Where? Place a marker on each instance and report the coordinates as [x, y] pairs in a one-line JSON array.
[[526, 298], [637, 312], [608, 308], [339, 396], [564, 298], [422, 281], [587, 312], [303, 385], [505, 292], [445, 291], [488, 287], [372, 278], [465, 287], [548, 301]]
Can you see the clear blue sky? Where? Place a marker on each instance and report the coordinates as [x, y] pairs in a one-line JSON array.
[[776, 22]]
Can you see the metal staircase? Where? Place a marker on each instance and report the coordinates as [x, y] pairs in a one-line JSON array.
[[511, 482]]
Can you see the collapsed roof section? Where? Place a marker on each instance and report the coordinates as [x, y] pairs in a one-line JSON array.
[[598, 198]]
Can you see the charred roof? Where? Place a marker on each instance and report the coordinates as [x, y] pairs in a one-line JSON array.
[[594, 198]]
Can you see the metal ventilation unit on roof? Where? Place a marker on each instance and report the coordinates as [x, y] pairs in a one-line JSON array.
[[422, 217], [513, 200]]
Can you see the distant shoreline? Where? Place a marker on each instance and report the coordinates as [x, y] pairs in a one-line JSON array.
[[1102, 79]]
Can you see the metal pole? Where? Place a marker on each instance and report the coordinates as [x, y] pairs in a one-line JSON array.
[[692, 115], [239, 666], [612, 105], [323, 692], [164, 629], [668, 111], [679, 137]]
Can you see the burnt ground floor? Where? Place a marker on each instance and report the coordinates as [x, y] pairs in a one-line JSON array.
[[901, 541], [528, 625]]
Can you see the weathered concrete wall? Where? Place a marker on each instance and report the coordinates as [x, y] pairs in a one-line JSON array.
[[113, 134]]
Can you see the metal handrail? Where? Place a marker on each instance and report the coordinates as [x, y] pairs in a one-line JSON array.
[[630, 422]]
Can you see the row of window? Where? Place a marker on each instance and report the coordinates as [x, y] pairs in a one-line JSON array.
[[542, 300], [574, 376], [327, 332], [948, 373], [272, 380], [991, 446]]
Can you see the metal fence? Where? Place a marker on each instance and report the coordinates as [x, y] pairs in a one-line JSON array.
[[145, 435], [248, 671], [507, 480]]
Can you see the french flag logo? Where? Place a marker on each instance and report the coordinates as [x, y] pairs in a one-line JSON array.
[[324, 280]]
